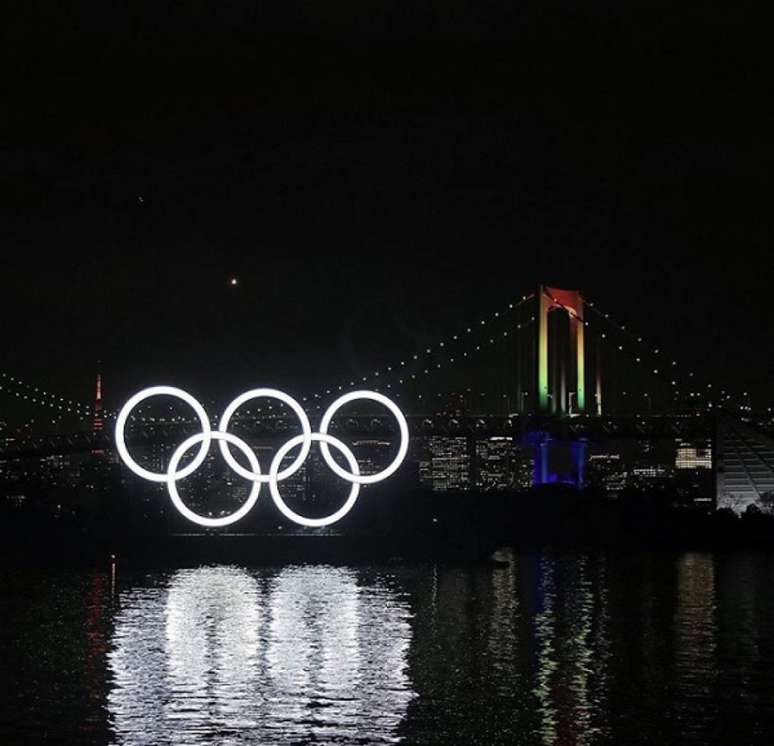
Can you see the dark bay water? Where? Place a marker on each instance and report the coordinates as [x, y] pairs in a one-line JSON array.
[[549, 649]]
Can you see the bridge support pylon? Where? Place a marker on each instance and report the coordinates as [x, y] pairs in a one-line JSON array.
[[552, 395]]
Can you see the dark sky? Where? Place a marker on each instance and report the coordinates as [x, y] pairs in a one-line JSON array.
[[376, 175]]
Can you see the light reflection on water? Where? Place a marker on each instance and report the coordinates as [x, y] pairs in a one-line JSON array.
[[550, 649], [220, 654], [695, 644], [547, 665]]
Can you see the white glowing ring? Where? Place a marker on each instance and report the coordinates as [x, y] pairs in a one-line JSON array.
[[402, 425], [306, 429], [323, 439], [254, 473], [123, 415], [255, 487]]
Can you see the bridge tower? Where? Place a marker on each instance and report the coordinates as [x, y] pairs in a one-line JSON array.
[[553, 396]]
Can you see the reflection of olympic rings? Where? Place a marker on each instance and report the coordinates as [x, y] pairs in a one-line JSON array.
[[253, 474]]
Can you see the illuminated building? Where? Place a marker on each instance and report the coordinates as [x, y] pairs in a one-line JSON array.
[[493, 463], [372, 455], [446, 463], [745, 475], [98, 422], [695, 474], [690, 456], [523, 468], [500, 464], [652, 471], [609, 471]]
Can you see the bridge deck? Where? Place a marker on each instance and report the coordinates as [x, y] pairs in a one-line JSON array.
[[363, 426]]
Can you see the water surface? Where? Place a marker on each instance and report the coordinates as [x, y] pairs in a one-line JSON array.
[[547, 649]]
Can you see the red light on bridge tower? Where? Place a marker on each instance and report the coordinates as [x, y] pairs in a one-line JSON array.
[[557, 401]]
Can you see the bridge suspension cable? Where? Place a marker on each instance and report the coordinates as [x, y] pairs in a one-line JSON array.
[[442, 355], [16, 387], [397, 377], [666, 368], [408, 377], [467, 391]]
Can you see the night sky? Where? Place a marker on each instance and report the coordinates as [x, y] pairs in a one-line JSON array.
[[376, 175]]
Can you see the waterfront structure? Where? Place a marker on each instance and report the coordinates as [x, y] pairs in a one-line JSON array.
[[745, 467]]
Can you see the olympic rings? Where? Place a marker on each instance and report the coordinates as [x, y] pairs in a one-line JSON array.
[[404, 437], [325, 440], [306, 428], [255, 488], [253, 474], [121, 426]]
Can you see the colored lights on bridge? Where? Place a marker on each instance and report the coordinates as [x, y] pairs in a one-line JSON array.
[[445, 344]]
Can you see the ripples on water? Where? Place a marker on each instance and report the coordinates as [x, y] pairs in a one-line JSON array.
[[549, 649], [218, 653]]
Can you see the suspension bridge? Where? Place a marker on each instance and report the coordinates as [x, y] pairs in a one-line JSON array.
[[549, 367]]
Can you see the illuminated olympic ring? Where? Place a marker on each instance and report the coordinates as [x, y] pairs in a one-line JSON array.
[[253, 474]]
